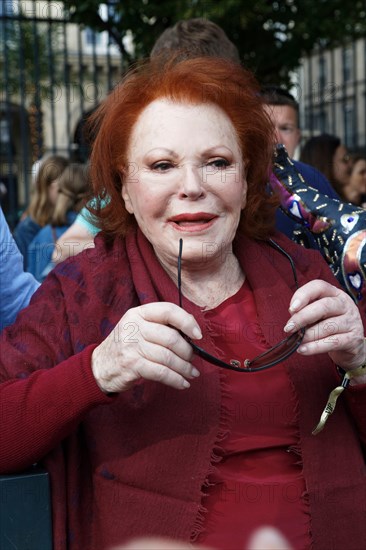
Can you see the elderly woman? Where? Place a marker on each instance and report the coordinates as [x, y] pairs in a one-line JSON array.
[[126, 378]]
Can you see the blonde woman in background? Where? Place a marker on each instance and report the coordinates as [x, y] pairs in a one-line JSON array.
[[42, 203], [72, 191]]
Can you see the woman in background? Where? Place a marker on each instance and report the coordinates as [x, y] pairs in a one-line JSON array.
[[73, 185], [329, 156], [42, 203], [356, 190]]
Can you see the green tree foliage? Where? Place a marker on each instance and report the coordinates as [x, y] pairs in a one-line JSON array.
[[271, 36]]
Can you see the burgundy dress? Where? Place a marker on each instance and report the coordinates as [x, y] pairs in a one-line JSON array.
[[259, 480]]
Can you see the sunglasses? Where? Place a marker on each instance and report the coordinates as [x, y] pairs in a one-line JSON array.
[[269, 358]]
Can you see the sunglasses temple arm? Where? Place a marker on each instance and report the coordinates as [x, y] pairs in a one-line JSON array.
[[180, 271]]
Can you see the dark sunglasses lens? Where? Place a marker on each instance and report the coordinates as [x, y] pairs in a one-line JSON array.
[[277, 353]]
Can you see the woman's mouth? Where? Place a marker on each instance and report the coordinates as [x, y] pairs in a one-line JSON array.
[[193, 222]]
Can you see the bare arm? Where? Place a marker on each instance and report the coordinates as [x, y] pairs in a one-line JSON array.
[[72, 242]]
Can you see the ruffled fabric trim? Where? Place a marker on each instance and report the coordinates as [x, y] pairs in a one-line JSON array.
[[297, 450], [217, 452]]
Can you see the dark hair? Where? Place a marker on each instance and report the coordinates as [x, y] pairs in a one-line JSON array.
[[276, 95], [319, 151], [193, 81], [356, 157], [82, 138], [196, 38]]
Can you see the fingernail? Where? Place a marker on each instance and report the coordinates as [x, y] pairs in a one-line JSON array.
[[186, 384], [289, 327], [197, 333], [295, 305], [195, 373], [302, 349]]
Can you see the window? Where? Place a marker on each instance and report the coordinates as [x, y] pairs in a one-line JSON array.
[[92, 38], [320, 120], [100, 41], [348, 63], [322, 74], [349, 124], [8, 7]]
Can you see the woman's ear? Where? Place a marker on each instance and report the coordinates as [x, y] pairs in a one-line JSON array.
[[124, 190], [127, 199], [244, 194]]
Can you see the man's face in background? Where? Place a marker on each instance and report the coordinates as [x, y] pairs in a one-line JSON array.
[[285, 119]]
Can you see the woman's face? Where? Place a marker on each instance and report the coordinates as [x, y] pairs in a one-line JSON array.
[[358, 176], [341, 165], [185, 179]]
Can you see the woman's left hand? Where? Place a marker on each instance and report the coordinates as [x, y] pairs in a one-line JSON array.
[[332, 321]]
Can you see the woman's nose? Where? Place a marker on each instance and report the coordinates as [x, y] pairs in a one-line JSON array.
[[192, 182]]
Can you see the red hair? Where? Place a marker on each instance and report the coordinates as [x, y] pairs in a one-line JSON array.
[[195, 81]]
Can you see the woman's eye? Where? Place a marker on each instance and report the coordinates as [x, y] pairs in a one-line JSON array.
[[219, 163], [162, 166]]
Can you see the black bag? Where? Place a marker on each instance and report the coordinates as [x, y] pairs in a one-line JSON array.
[[25, 511]]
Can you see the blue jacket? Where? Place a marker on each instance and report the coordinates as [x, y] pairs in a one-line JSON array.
[[41, 248], [24, 234], [16, 287]]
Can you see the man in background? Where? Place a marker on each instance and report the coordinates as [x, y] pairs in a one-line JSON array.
[[284, 112]]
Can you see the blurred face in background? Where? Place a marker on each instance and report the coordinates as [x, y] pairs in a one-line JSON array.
[[285, 119], [358, 176], [342, 165]]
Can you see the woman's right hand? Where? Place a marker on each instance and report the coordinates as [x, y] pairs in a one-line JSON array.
[[146, 343]]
